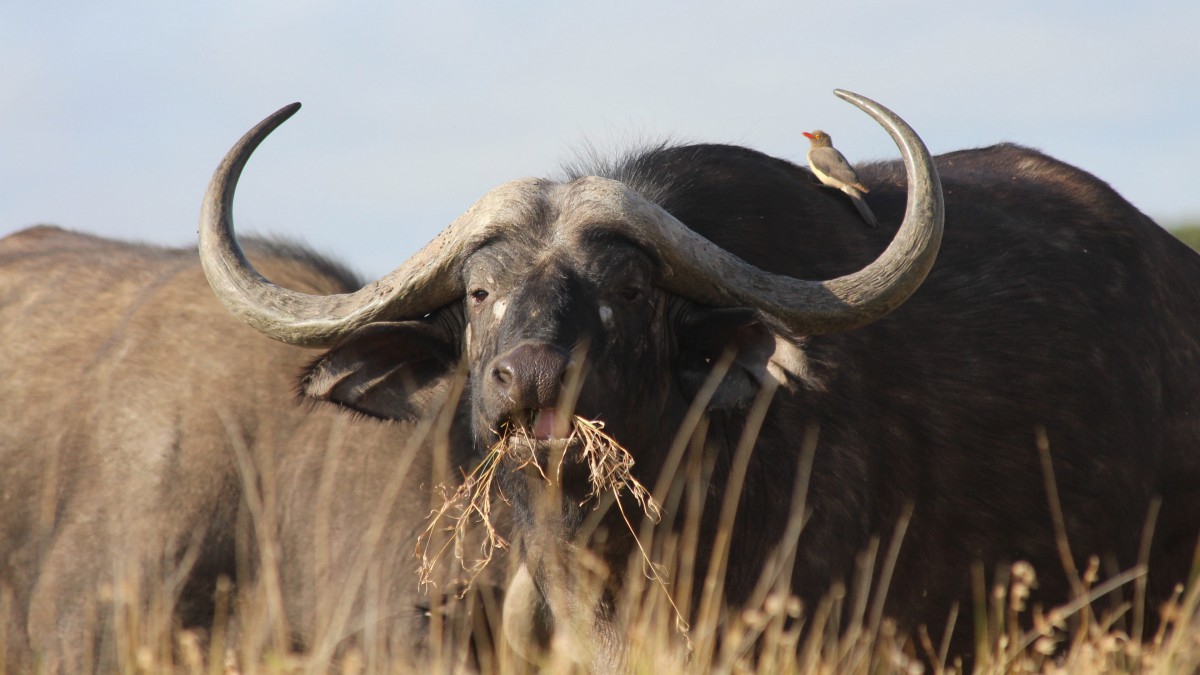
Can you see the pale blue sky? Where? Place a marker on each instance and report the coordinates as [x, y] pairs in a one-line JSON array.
[[113, 115]]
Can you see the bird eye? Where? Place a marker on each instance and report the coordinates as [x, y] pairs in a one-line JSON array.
[[479, 295]]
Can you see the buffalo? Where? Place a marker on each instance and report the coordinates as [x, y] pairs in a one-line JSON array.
[[1038, 383], [152, 446], [973, 398]]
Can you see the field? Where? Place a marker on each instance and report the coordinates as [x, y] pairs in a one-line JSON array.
[[1106, 629], [780, 636]]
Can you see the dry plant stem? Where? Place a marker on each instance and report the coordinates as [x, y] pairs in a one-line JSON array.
[[691, 421], [669, 488], [6, 608], [1185, 613], [441, 473], [885, 577], [1161, 634], [817, 624], [699, 471], [926, 643], [609, 470], [943, 651], [979, 600], [1080, 603], [858, 612], [1139, 586], [261, 505], [220, 627], [326, 489], [1056, 512], [778, 570], [610, 466], [357, 574], [572, 381], [472, 499], [713, 593]]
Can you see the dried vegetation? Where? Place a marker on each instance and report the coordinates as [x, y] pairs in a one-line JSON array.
[[776, 633]]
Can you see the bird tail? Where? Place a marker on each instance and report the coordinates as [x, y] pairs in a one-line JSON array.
[[865, 211], [860, 204]]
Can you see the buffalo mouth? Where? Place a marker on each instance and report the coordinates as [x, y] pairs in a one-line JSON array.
[[553, 471], [571, 456], [546, 445], [543, 424], [551, 424], [581, 507]]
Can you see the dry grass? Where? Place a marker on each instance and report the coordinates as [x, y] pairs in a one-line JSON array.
[[774, 633], [465, 506], [469, 505], [788, 639]]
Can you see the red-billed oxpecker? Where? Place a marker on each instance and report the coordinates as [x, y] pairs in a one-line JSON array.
[[833, 170]]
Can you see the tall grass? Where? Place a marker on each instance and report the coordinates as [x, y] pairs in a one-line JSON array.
[[778, 635], [669, 619]]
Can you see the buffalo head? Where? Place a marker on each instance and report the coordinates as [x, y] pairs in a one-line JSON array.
[[570, 298]]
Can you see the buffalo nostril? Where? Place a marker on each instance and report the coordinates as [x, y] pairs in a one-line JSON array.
[[529, 376], [503, 375]]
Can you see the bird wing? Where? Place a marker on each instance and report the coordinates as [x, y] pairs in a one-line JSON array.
[[833, 164]]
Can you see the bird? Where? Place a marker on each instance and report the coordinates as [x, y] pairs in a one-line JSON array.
[[832, 169]]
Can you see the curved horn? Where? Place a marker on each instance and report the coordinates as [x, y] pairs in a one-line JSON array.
[[882, 286], [697, 268], [426, 281]]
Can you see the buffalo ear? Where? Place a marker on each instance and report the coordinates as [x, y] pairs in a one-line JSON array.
[[705, 334], [390, 370]]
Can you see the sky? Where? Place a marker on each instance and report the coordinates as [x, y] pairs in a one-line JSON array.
[[113, 115]]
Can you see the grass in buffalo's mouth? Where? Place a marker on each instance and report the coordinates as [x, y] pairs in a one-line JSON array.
[[469, 503], [610, 467], [609, 470]]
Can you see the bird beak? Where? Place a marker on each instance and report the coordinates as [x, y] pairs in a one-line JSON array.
[[806, 135]]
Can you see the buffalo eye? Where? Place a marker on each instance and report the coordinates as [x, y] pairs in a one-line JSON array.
[[630, 293], [478, 296]]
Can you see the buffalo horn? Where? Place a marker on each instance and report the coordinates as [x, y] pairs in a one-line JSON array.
[[425, 282], [696, 268], [693, 266]]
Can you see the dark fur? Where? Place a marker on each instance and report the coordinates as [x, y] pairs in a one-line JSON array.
[[1054, 304]]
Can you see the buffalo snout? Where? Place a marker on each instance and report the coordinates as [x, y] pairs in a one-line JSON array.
[[527, 378]]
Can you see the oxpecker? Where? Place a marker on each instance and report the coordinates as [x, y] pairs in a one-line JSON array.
[[832, 169]]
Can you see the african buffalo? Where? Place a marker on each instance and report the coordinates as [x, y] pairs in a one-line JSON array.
[[150, 445], [1056, 315]]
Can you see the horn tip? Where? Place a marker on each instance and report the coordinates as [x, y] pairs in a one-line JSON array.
[[845, 95]]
